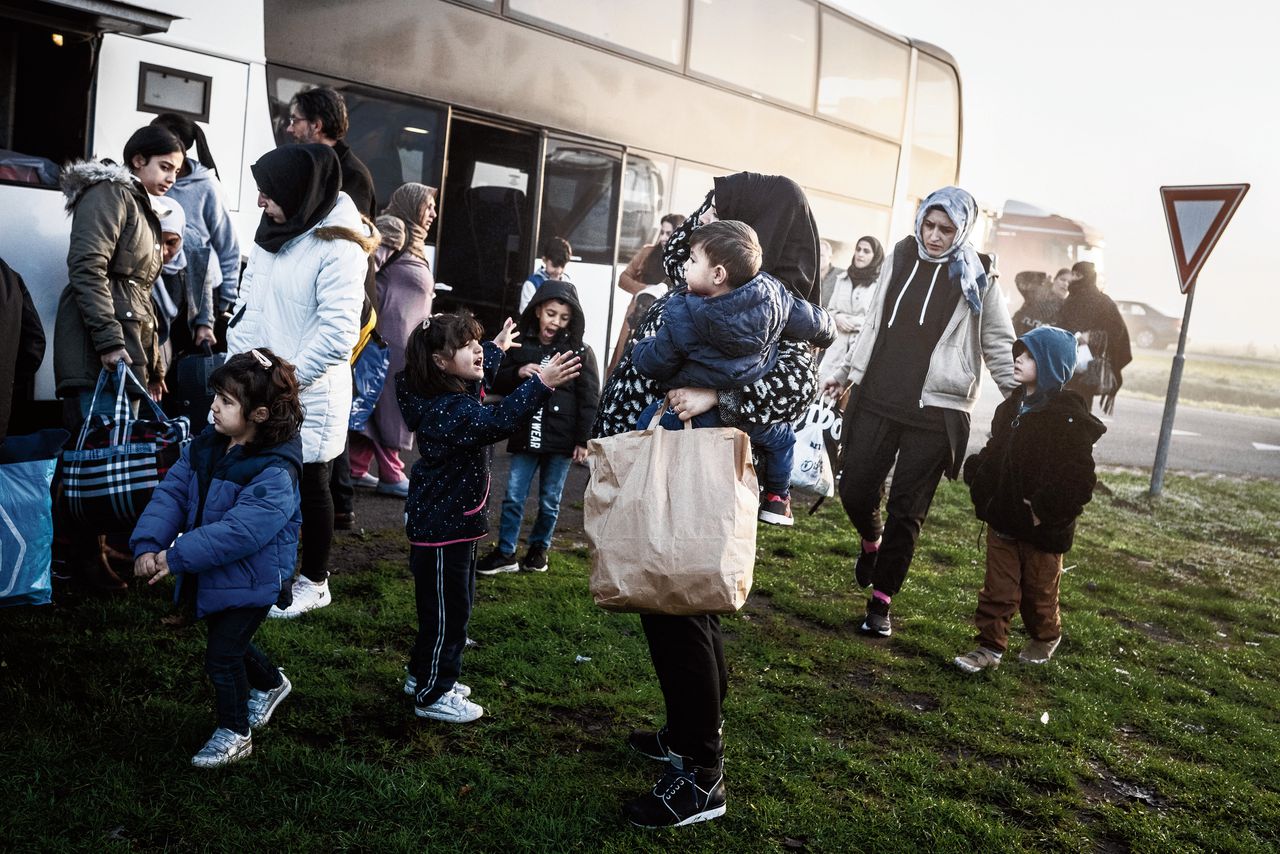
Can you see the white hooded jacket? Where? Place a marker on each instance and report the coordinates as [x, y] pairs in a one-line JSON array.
[[304, 303]]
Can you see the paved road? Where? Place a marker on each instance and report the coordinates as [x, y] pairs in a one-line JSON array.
[[1203, 441]]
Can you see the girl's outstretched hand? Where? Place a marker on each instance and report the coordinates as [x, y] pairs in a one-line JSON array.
[[507, 337], [560, 369]]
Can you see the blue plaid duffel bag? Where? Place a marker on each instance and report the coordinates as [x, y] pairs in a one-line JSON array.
[[118, 460]]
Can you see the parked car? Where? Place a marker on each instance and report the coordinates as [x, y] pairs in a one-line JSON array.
[[1149, 328]]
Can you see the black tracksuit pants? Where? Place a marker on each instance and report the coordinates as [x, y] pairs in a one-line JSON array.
[[688, 656], [444, 588], [872, 445]]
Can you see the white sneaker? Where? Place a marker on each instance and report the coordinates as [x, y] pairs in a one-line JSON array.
[[365, 481], [307, 596], [452, 708], [411, 687], [399, 489], [263, 703], [223, 748]]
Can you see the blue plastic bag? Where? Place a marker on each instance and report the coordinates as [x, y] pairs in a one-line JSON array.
[[370, 372], [26, 516]]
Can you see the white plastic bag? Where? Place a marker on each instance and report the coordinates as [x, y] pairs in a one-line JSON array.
[[811, 469]]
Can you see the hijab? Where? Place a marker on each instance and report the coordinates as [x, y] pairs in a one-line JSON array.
[[173, 220], [304, 181], [964, 264], [861, 276], [777, 209], [409, 205]]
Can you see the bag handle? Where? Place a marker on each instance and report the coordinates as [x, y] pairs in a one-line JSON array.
[[103, 376], [657, 418]]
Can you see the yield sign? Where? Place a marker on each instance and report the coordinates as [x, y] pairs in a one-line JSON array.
[[1197, 216]]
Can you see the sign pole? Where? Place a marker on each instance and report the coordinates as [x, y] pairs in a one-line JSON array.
[[1171, 401]]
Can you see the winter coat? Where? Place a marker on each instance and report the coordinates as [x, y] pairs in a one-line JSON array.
[[729, 340], [968, 341], [238, 512], [1044, 456], [112, 262], [405, 289], [852, 303], [356, 180], [304, 303], [209, 238], [564, 421], [448, 498], [21, 343]]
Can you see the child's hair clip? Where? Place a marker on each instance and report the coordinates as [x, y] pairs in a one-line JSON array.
[[262, 360]]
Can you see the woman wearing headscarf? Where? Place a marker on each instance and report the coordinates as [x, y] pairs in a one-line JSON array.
[[1093, 316], [915, 369], [406, 290], [301, 295], [687, 651], [850, 300]]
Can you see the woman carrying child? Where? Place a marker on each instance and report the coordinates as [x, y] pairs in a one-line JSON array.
[[226, 519], [440, 392]]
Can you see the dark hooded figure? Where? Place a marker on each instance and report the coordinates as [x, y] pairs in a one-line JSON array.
[[687, 652], [1093, 316]]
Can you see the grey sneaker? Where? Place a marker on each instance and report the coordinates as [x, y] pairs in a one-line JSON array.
[[263, 703], [451, 708], [978, 660], [1039, 652], [223, 748], [411, 686], [876, 622]]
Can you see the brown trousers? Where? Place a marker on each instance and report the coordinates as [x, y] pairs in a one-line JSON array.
[[1019, 577]]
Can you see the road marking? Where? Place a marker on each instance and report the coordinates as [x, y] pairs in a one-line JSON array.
[[1262, 446], [1184, 433]]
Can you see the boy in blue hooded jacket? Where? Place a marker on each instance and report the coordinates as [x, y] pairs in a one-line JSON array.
[[1030, 484], [225, 519]]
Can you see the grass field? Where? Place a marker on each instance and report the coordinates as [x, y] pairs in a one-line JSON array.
[[1225, 383], [1156, 728]]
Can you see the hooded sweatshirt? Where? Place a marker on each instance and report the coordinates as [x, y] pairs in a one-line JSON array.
[[1041, 451], [209, 227], [564, 421]]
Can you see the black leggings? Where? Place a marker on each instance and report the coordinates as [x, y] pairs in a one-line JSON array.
[[688, 657], [317, 520]]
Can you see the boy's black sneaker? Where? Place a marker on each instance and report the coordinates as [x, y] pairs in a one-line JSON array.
[[685, 794], [535, 560], [650, 743], [495, 562], [864, 567], [876, 622], [776, 510]]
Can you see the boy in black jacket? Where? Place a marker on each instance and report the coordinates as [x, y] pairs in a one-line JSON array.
[[1030, 484], [555, 436]]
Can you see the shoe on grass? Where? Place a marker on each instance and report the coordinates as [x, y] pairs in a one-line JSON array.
[[650, 743], [1039, 652], [223, 747], [497, 561], [535, 560], [450, 708], [684, 794], [876, 622], [411, 687], [978, 660], [308, 595], [776, 510], [864, 567], [263, 703]]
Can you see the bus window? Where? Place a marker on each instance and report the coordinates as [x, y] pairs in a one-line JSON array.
[[841, 222], [399, 139], [863, 80], [579, 198], [646, 183], [45, 82], [767, 48], [654, 28], [935, 135]]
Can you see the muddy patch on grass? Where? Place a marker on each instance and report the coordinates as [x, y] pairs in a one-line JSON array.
[[1105, 787], [760, 608], [1152, 631]]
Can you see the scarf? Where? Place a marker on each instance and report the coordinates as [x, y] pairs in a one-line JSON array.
[[409, 205], [777, 209], [965, 266], [304, 181], [173, 220], [861, 276]]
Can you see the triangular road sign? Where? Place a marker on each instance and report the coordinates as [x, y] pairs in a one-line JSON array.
[[1197, 216]]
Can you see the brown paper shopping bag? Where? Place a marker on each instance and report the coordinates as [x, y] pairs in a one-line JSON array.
[[671, 519]]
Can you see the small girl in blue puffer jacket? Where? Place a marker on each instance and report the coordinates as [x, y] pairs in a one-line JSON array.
[[232, 504]]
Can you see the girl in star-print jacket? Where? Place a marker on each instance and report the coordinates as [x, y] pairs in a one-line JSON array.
[[440, 393]]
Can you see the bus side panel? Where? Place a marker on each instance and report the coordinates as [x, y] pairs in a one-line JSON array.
[[34, 243], [258, 140]]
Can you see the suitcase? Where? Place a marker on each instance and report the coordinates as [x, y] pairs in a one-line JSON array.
[[190, 390]]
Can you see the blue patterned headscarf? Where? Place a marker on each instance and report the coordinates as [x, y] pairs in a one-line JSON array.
[[965, 266]]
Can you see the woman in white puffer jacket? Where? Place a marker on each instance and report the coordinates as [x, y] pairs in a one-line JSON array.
[[301, 295]]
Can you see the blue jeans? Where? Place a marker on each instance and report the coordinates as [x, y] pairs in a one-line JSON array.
[[555, 468], [774, 445]]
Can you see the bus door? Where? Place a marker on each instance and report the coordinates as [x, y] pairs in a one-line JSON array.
[[486, 220], [581, 192]]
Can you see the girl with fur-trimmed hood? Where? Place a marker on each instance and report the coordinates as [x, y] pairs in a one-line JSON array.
[[301, 295]]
